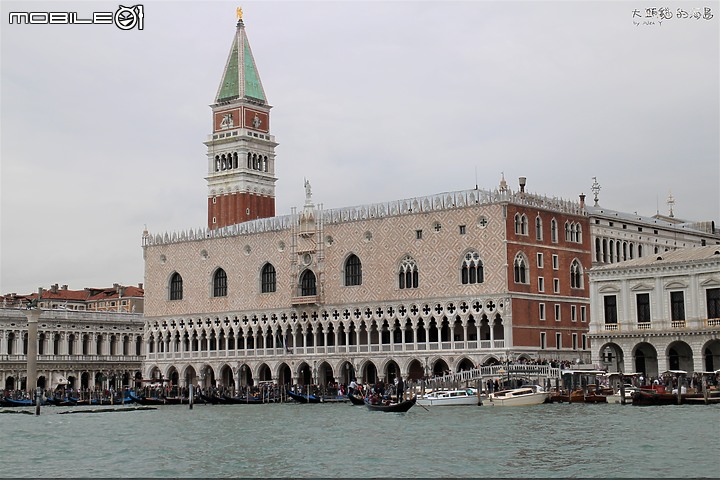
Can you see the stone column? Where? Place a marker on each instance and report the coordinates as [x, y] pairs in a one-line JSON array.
[[32, 315], [18, 348]]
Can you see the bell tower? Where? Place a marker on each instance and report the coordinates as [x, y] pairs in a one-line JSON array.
[[241, 151]]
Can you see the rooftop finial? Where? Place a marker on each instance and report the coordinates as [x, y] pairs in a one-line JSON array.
[[595, 189], [671, 204], [503, 183], [308, 192], [238, 12]]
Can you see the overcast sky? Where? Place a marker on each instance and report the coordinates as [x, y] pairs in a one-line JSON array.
[[102, 129]]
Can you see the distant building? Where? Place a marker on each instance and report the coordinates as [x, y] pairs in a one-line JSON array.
[[658, 313], [118, 298], [86, 338], [619, 236]]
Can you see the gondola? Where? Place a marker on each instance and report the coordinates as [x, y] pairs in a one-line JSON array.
[[356, 399], [212, 399], [61, 401], [245, 400], [393, 407], [11, 402], [300, 398], [155, 400]]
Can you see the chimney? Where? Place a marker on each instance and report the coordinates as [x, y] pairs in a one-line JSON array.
[[582, 200], [54, 288], [523, 181], [140, 286], [64, 287]]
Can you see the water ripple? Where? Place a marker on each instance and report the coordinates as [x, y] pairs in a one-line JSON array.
[[341, 440]]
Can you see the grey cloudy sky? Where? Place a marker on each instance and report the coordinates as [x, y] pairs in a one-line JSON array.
[[102, 129]]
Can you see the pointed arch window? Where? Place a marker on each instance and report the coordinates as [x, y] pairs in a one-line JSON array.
[[408, 276], [307, 284], [538, 228], [553, 231], [576, 274], [267, 279], [521, 224], [353, 271], [220, 283], [520, 268], [176, 287], [472, 269]]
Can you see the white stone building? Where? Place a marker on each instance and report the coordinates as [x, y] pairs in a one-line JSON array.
[[81, 349], [657, 313]]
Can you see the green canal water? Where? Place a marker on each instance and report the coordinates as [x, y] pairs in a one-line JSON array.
[[339, 440]]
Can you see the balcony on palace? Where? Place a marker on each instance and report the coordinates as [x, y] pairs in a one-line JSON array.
[[305, 300], [73, 358]]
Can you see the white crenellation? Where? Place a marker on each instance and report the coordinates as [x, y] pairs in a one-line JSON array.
[[431, 203]]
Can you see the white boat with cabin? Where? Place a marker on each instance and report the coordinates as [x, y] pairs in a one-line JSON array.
[[527, 395], [617, 398], [460, 396]]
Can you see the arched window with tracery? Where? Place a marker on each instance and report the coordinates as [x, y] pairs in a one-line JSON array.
[[576, 274], [267, 279], [521, 224], [220, 283], [307, 284], [520, 268], [176, 287], [472, 269], [353, 271], [408, 273]]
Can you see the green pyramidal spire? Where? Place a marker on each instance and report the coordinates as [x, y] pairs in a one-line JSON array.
[[241, 78]]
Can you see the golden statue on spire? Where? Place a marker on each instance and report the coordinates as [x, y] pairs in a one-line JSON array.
[[238, 12]]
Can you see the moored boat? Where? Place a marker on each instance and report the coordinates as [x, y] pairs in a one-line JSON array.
[[356, 399], [527, 395], [303, 398], [654, 397], [617, 397], [391, 407], [12, 402], [461, 396]]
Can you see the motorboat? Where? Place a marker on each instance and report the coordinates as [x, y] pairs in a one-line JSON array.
[[617, 398], [527, 395], [461, 396]]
